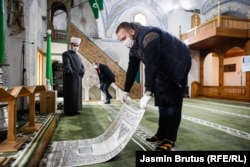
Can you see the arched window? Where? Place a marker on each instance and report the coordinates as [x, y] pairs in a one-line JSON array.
[[60, 20], [196, 21], [59, 16], [139, 17]]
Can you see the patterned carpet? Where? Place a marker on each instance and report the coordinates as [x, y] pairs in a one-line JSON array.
[[207, 124]]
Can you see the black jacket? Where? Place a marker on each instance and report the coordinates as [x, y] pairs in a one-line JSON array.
[[167, 62], [105, 74]]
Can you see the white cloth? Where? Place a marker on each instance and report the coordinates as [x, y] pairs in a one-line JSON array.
[[144, 101], [75, 40], [99, 149]]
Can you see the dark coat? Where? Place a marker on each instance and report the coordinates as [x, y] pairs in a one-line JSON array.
[[167, 63], [73, 71], [105, 74]]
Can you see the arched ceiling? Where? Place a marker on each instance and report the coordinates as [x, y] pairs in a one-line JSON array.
[[159, 10], [167, 6]]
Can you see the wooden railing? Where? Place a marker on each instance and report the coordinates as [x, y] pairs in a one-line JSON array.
[[223, 22], [59, 35], [237, 23], [233, 92], [209, 91]]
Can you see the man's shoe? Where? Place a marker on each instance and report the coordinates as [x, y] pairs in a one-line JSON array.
[[166, 145], [69, 114], [107, 102], [154, 138], [72, 114]]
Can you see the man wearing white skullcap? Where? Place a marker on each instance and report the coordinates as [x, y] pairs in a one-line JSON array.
[[75, 40], [73, 71]]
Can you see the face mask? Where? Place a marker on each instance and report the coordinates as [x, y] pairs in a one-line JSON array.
[[96, 67], [129, 42], [75, 48]]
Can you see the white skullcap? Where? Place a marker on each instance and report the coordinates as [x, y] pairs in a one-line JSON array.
[[75, 40]]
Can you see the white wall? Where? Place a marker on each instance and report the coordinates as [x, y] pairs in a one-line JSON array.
[[236, 78], [32, 33], [211, 70], [179, 18], [83, 18], [34, 29], [118, 48], [14, 59], [194, 74]]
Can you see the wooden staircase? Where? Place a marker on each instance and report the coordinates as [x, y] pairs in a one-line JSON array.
[[92, 52]]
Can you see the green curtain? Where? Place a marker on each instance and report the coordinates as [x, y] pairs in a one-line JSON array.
[[137, 78], [49, 74], [100, 4]]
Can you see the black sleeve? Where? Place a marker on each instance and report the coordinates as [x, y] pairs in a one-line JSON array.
[[133, 67], [151, 60], [82, 71], [66, 63], [108, 72]]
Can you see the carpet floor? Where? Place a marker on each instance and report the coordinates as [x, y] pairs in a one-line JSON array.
[[207, 124]]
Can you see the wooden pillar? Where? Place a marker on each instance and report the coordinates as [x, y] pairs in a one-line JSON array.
[[247, 52], [248, 86], [32, 126], [202, 59], [32, 110], [221, 72], [11, 136]]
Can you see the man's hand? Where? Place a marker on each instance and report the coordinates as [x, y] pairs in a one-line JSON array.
[[144, 101], [81, 73], [124, 97]]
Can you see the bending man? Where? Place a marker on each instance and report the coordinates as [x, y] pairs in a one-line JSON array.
[[167, 63]]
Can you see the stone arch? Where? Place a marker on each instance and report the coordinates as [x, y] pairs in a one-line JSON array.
[[227, 7], [234, 51], [112, 92], [94, 93], [210, 4]]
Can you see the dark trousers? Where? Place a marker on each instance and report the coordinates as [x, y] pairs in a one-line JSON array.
[[169, 121], [104, 88]]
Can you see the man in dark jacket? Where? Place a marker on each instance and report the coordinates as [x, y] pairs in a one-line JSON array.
[[106, 78], [167, 63], [73, 71]]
